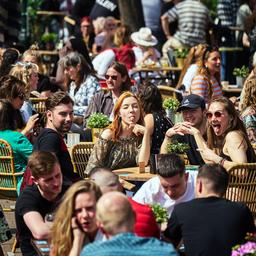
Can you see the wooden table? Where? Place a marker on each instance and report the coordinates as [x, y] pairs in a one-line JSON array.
[[132, 173], [231, 91], [169, 73], [41, 246]]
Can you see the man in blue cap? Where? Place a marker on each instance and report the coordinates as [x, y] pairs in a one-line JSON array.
[[193, 112]]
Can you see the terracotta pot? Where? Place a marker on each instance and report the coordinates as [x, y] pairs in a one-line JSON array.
[[180, 62], [95, 133]]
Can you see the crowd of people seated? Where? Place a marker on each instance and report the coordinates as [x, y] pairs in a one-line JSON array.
[[97, 215]]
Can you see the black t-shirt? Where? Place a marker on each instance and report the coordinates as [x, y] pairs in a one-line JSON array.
[[105, 8], [209, 226], [193, 155], [51, 141], [30, 200]]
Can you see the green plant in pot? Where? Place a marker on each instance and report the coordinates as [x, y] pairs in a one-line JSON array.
[[180, 55], [170, 105], [160, 213], [177, 148], [241, 74], [49, 40], [97, 122]]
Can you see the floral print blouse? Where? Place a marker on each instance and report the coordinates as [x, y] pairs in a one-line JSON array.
[[83, 95], [114, 154]]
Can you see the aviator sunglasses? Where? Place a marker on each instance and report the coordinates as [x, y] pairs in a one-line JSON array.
[[112, 77], [216, 114]]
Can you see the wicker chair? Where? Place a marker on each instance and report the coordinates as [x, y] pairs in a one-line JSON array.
[[38, 104], [80, 154], [167, 91], [242, 185], [8, 177]]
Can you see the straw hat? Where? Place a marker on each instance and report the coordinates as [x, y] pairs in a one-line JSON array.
[[144, 37]]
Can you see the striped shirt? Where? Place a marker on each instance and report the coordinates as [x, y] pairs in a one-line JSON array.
[[193, 18], [227, 12], [199, 86]]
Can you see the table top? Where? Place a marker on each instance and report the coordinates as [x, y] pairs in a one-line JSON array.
[[155, 68], [41, 246], [232, 89], [132, 173]]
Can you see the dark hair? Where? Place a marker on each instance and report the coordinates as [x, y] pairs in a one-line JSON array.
[[150, 98], [10, 56], [121, 68], [169, 165], [42, 163], [216, 175], [72, 60], [10, 87], [7, 114], [56, 99]]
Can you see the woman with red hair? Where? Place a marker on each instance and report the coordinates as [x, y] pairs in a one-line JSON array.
[[126, 141]]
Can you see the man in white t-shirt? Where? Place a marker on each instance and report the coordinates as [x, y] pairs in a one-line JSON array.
[[171, 186]]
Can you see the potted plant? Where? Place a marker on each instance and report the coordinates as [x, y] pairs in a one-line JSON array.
[[160, 213], [241, 74], [49, 40], [180, 56], [97, 122], [178, 148], [170, 105]]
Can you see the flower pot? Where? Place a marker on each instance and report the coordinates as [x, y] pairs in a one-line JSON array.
[[170, 114], [180, 62], [240, 81], [96, 133]]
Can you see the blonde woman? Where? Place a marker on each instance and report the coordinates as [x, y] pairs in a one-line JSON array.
[[75, 220], [206, 83], [28, 73], [190, 67]]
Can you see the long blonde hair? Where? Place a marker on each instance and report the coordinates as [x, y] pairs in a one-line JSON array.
[[61, 232], [23, 71], [195, 53]]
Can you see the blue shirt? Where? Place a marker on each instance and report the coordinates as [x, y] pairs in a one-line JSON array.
[[129, 245]]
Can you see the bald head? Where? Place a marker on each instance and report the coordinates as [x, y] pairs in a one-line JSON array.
[[115, 214], [105, 179]]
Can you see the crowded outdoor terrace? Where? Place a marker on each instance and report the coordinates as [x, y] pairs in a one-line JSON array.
[[127, 127]]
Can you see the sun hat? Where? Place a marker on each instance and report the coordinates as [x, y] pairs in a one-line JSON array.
[[192, 101], [144, 37]]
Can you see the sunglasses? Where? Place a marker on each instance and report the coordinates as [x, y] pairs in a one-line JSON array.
[[22, 96], [112, 77], [217, 114]]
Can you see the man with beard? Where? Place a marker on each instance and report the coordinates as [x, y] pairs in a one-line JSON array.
[[59, 117], [193, 112], [38, 200]]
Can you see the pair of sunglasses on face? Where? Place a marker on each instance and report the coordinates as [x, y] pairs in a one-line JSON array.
[[112, 77], [217, 114]]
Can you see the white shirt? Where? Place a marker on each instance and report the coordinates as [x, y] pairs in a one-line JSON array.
[[152, 192], [188, 77]]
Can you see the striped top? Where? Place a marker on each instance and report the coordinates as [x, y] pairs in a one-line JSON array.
[[193, 18], [199, 86]]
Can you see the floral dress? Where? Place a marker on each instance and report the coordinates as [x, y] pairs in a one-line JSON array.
[[114, 154]]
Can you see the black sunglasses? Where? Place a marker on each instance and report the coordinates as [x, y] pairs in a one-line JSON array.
[[112, 77], [21, 96], [216, 114]]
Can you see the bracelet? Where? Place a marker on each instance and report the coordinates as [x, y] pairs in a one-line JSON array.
[[168, 137]]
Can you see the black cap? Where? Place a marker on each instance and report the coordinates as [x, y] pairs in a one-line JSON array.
[[192, 101]]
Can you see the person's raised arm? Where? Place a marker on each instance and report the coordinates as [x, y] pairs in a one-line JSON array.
[[165, 25]]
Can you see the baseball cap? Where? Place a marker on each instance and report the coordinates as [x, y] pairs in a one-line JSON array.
[[192, 101]]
